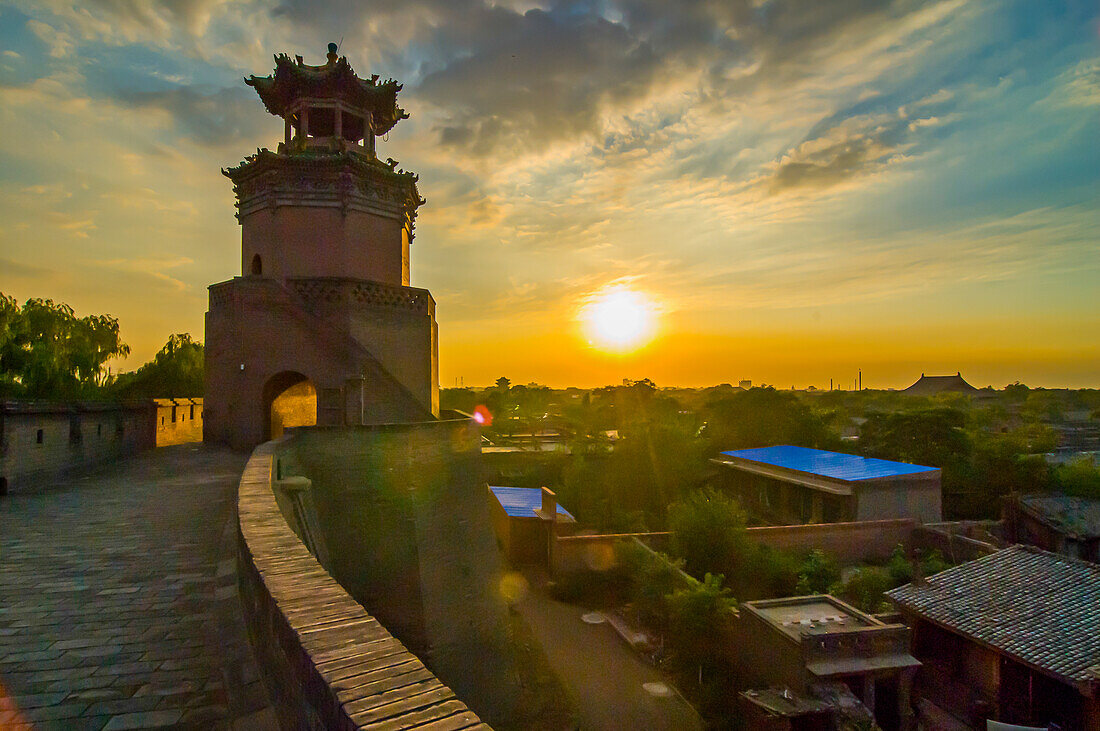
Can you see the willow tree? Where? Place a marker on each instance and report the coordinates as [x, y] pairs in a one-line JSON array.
[[47, 352]]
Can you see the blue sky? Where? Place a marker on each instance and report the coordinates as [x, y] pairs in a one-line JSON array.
[[800, 188]]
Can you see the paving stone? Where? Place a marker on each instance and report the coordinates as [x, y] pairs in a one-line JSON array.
[[143, 720], [67, 710], [108, 589]]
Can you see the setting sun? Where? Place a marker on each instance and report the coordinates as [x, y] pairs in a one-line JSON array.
[[619, 319]]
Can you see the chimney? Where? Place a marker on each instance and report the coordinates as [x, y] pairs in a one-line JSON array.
[[549, 504], [918, 569]]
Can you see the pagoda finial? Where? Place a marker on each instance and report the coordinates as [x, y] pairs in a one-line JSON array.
[[332, 53]]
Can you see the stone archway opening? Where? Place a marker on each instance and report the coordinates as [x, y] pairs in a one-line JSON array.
[[290, 399]]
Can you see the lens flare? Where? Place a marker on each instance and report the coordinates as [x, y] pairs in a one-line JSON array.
[[482, 416]]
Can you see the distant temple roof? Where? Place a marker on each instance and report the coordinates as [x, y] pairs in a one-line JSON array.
[[1038, 607], [835, 465], [932, 385], [294, 80]]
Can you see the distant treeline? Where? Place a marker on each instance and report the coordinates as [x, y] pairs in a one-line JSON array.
[[636, 449]]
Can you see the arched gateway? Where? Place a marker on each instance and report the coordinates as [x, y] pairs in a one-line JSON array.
[[326, 229]]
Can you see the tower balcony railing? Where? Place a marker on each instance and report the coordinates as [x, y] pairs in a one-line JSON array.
[[318, 292], [323, 292]]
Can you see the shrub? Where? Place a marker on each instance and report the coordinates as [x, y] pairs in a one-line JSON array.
[[817, 573], [865, 588], [708, 532]]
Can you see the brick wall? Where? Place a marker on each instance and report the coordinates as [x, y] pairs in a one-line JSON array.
[[41, 441], [326, 662], [848, 542], [403, 513], [179, 421]]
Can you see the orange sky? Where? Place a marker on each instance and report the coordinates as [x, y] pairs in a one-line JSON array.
[[801, 192]]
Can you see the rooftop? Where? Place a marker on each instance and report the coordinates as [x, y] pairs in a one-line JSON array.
[[1038, 607], [834, 465], [522, 502], [796, 616], [1074, 516], [931, 385], [294, 80]]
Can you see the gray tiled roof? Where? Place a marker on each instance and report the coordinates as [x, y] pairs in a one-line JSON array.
[[1039, 607], [1075, 516]]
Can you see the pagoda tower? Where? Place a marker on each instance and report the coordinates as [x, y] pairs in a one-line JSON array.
[[323, 308]]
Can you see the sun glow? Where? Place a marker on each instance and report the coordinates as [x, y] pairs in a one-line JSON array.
[[619, 319]]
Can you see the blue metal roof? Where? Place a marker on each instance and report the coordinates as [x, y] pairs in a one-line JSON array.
[[847, 467], [521, 502]]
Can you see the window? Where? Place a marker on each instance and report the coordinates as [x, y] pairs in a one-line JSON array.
[[75, 437], [38, 439], [257, 265], [192, 412], [99, 430], [173, 414]]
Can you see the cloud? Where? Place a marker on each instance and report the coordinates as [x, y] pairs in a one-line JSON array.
[[1079, 86], [223, 118], [151, 267], [60, 43], [23, 271], [857, 147]]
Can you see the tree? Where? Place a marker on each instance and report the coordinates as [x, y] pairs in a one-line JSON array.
[[708, 532], [763, 417], [175, 372], [47, 352]]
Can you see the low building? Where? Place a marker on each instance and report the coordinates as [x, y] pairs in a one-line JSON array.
[[794, 649], [1059, 523], [795, 485], [1010, 637], [524, 519]]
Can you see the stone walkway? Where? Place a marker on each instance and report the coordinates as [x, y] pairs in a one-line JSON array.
[[604, 677], [118, 600]]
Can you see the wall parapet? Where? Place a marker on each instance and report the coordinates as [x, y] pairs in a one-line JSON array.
[[855, 541], [327, 662], [44, 440], [329, 291]]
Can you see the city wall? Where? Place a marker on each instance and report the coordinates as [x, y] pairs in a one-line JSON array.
[[42, 441], [179, 421], [403, 514], [327, 662]]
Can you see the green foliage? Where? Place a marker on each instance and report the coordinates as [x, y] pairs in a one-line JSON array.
[[460, 399], [865, 588], [762, 417], [900, 566], [933, 437], [817, 574], [698, 617], [1080, 478], [47, 352], [652, 579], [708, 532], [176, 371], [655, 461]]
